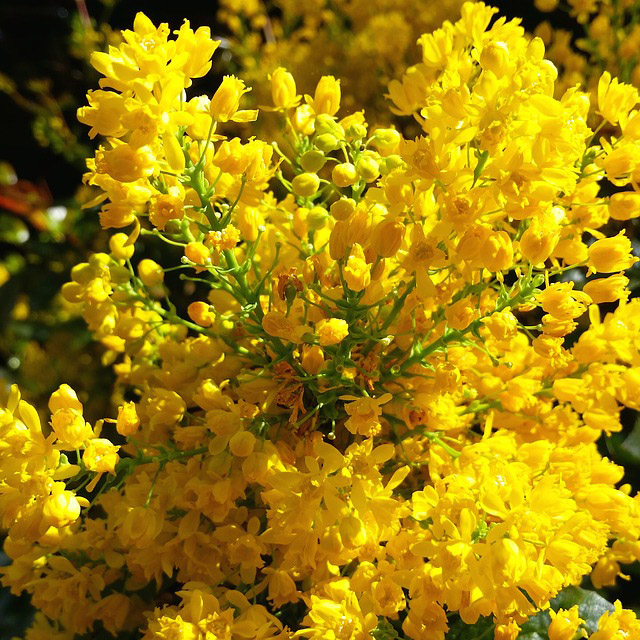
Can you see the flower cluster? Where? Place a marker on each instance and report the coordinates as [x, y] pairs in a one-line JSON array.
[[360, 383]]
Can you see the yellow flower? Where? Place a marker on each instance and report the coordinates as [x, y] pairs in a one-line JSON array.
[[357, 273], [611, 254], [331, 331], [608, 289], [336, 613], [624, 205], [283, 89], [126, 164], [327, 96], [101, 455], [165, 207], [562, 302], [128, 422], [498, 251], [461, 314], [64, 398], [226, 101], [61, 508], [620, 623], [71, 428], [615, 99], [364, 414]]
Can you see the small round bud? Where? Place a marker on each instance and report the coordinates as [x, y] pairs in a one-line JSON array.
[[367, 168], [313, 161], [328, 124], [201, 314], [119, 251], [386, 139], [150, 272], [388, 164], [60, 509], [356, 131], [343, 208], [317, 218], [327, 142], [344, 175], [242, 444], [305, 184]]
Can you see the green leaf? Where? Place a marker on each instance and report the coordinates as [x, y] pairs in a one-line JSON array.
[[630, 448], [590, 605], [481, 630]]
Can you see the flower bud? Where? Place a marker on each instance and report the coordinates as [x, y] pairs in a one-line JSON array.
[[200, 312], [283, 89], [226, 99], [327, 124], [386, 139], [353, 532], [472, 242], [71, 428], [357, 273], [199, 254], [356, 131], [101, 455], [498, 251], [173, 152], [242, 444], [305, 184], [495, 58], [313, 161], [327, 142], [611, 254], [609, 289], [343, 208], [326, 98], [387, 237], [150, 272], [624, 205], [344, 175], [312, 359], [546, 6], [317, 218], [64, 398], [538, 242], [60, 508], [119, 251], [303, 120], [565, 623], [461, 314], [338, 240], [367, 168], [128, 422]]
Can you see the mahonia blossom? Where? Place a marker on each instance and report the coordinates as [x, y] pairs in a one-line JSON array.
[[363, 407]]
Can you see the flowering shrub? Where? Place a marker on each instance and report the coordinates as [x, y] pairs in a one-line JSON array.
[[352, 401]]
